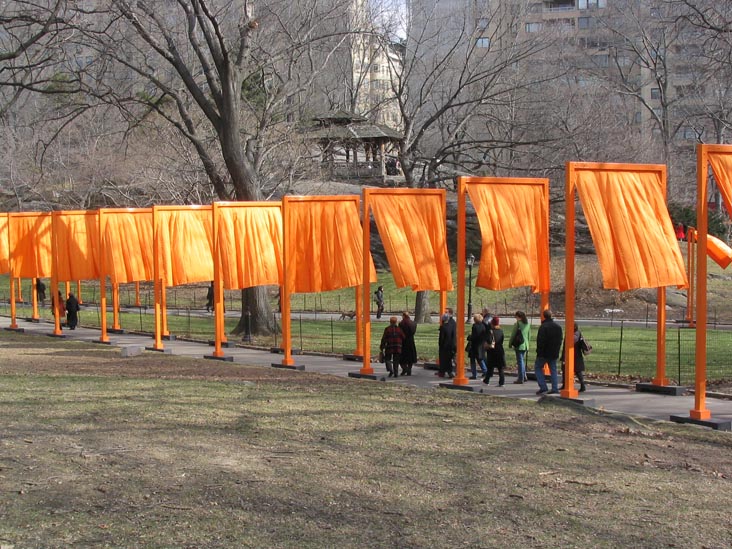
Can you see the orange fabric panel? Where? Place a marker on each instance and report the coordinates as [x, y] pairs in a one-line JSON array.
[[77, 245], [324, 244], [412, 229], [30, 244], [718, 251], [722, 169], [185, 240], [4, 249], [515, 240], [128, 245], [631, 229], [250, 245]]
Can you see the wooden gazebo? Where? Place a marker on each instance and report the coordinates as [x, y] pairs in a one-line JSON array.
[[346, 133]]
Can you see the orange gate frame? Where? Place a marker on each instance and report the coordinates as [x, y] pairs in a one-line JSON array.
[[219, 318], [285, 289], [700, 411], [103, 268], [571, 169], [462, 190], [366, 368]]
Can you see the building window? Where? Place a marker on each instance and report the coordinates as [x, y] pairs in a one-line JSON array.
[[601, 60], [638, 117], [655, 12], [582, 4], [533, 27], [583, 22], [375, 68], [655, 93], [482, 23], [689, 133], [483, 42]]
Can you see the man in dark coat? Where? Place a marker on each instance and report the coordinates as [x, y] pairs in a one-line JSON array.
[[72, 311], [447, 345], [548, 345], [408, 357], [391, 346]]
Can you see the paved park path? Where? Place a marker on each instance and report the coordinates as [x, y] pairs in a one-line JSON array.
[[623, 400]]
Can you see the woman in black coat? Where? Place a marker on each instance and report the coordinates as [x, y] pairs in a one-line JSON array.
[[478, 336], [409, 350], [495, 356]]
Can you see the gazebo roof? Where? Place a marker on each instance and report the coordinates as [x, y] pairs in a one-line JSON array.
[[340, 125]]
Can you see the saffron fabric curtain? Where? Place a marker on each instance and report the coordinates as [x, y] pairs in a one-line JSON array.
[[30, 244], [249, 244], [185, 243], [4, 250], [324, 244], [514, 225], [631, 228], [722, 169], [128, 244], [412, 229], [77, 245]]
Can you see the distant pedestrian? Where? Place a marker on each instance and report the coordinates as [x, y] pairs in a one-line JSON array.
[[210, 298], [548, 345], [487, 316], [579, 361], [391, 345], [495, 355], [447, 345], [408, 356], [519, 342], [477, 341], [72, 311], [40, 291], [379, 297]]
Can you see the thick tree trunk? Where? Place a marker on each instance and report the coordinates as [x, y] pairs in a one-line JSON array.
[[422, 312], [256, 314]]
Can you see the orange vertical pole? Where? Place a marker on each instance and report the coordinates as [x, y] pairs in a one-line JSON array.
[[366, 284], [661, 378], [700, 410], [443, 302], [78, 292], [218, 286], [569, 391], [460, 378], [115, 306], [68, 288], [20, 290], [692, 273], [359, 316], [103, 337], [137, 294], [34, 299], [286, 289], [164, 307], [54, 276], [158, 284], [13, 322]]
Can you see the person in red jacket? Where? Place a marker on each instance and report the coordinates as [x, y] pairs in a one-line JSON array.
[[391, 346]]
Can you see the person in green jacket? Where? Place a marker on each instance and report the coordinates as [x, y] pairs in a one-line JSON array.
[[519, 342]]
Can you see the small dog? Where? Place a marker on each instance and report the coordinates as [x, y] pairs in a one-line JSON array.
[[350, 315]]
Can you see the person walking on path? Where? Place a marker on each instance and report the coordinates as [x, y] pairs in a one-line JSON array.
[[210, 297], [408, 357], [40, 291], [477, 341], [579, 361], [72, 311], [391, 346], [495, 356], [548, 345], [447, 345], [520, 344], [379, 297]]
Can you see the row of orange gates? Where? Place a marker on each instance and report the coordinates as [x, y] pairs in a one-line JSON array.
[[316, 243]]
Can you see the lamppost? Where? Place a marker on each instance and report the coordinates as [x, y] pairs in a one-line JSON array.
[[470, 261]]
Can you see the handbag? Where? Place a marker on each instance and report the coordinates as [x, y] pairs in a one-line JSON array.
[[517, 340], [585, 347], [382, 357]]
